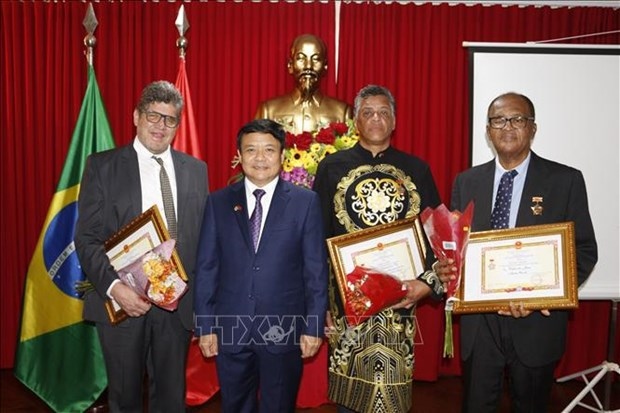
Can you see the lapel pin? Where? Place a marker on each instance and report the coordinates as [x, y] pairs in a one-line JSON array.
[[537, 209], [238, 208]]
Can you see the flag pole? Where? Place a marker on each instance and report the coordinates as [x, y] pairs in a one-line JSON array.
[[182, 25], [186, 139], [90, 23]]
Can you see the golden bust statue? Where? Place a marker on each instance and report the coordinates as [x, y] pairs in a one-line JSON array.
[[305, 108]]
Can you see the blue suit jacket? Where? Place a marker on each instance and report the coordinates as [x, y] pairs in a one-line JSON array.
[[537, 339], [271, 296]]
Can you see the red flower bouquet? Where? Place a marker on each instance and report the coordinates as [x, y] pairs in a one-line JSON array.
[[448, 233], [368, 292]]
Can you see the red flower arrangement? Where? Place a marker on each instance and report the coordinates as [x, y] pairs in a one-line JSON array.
[[301, 141]]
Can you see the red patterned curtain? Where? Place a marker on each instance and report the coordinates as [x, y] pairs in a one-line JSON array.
[[237, 57]]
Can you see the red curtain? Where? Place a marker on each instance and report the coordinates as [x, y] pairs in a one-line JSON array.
[[237, 57]]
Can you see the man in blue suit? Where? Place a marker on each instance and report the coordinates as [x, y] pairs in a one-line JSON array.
[[529, 344], [261, 278]]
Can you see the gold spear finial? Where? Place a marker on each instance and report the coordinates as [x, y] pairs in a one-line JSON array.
[[182, 25], [90, 24]]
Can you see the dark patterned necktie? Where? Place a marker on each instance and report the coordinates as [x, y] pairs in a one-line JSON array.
[[257, 217], [166, 194], [501, 211]]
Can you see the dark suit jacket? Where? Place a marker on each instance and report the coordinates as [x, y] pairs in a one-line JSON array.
[[537, 339], [110, 197], [271, 296]]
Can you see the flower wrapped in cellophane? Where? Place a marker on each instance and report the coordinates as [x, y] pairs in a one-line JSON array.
[[448, 233], [369, 291], [154, 276]]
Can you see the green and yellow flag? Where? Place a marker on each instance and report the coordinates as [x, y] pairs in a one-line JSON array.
[[58, 355]]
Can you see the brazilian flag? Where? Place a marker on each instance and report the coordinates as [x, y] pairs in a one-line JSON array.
[[58, 355]]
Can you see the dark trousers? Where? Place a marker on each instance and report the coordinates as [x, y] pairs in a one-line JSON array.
[[483, 373], [157, 341], [255, 380]]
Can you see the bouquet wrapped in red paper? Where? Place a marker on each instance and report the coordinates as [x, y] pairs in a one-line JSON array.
[[369, 291], [448, 233], [154, 276]]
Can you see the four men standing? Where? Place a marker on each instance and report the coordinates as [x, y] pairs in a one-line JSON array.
[[261, 271]]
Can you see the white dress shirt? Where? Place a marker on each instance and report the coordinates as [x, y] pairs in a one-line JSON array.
[[149, 178]]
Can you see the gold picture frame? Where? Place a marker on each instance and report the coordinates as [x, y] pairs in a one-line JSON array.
[[534, 265], [141, 235], [396, 248]]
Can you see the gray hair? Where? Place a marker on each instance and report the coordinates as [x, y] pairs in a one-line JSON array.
[[160, 92], [373, 90]]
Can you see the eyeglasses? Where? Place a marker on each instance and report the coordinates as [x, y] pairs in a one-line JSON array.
[[517, 122], [155, 117], [369, 113]]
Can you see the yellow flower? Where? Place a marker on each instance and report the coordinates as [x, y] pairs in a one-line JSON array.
[[286, 165], [330, 149], [316, 148], [296, 157], [310, 164], [309, 160], [345, 142]]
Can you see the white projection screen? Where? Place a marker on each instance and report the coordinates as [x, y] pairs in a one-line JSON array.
[[576, 92]]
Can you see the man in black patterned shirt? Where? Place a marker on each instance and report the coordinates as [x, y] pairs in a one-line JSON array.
[[371, 364]]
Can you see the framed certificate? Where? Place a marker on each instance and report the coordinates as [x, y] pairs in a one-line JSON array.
[[396, 248], [132, 241], [534, 265]]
